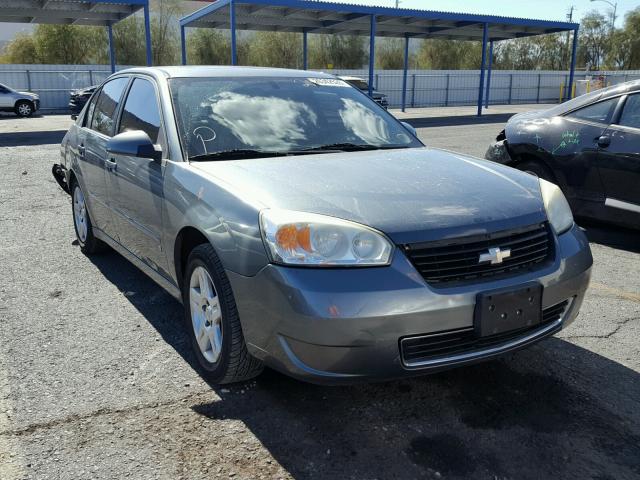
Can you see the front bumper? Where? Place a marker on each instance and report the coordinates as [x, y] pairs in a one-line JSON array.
[[498, 152], [334, 326]]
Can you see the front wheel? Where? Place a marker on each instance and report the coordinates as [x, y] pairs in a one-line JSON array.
[[538, 169], [24, 109], [211, 317]]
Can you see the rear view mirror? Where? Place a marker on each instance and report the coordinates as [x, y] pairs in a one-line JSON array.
[[410, 128], [135, 143], [74, 116]]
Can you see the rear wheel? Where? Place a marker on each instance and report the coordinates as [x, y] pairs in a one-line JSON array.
[[82, 222], [211, 317], [538, 169], [24, 108]]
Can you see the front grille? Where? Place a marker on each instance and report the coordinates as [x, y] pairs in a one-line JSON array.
[[415, 350], [450, 262]]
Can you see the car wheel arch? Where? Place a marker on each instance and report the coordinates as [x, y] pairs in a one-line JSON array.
[[186, 240], [527, 158], [24, 100]]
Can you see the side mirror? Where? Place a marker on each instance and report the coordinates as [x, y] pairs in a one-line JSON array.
[[135, 143], [410, 128]]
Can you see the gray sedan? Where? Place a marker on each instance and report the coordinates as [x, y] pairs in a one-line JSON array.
[[304, 228]]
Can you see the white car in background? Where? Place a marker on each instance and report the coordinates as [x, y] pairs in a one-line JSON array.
[[24, 104]]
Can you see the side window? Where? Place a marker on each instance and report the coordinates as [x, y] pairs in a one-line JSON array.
[[86, 121], [141, 110], [103, 120], [598, 112], [3, 89], [631, 114]]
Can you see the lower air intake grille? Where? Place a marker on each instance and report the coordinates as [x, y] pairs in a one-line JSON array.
[[460, 341], [457, 261]]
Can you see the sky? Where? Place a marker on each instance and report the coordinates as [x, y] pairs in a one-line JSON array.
[[540, 9]]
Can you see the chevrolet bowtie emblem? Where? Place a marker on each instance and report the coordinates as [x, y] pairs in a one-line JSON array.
[[495, 255]]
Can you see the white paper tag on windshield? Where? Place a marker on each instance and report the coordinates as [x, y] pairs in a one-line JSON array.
[[328, 82]]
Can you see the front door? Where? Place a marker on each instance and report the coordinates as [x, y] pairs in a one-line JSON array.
[[136, 184], [98, 127], [619, 163]]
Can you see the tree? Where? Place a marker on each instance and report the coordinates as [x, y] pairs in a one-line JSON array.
[[207, 46], [337, 51], [594, 40], [164, 32], [22, 49], [390, 54], [275, 49], [448, 55]]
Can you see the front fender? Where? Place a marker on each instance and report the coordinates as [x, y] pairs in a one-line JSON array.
[[229, 222]]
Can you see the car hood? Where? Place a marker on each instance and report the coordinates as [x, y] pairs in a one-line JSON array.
[[29, 94], [412, 195]]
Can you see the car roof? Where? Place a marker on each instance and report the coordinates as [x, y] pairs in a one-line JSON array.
[[349, 77], [592, 97], [225, 71]]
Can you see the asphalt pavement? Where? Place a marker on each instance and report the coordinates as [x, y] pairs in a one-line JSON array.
[[97, 379]]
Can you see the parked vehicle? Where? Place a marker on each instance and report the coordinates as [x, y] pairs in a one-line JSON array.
[[305, 228], [23, 104], [78, 98], [359, 83], [589, 146]]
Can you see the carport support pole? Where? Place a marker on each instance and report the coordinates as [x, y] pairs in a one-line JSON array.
[[183, 45], [147, 34], [112, 52], [486, 96], [232, 20], [305, 61], [485, 34], [404, 72], [372, 52], [572, 70]]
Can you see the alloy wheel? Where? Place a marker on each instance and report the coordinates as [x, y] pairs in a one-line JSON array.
[[80, 214], [206, 315]]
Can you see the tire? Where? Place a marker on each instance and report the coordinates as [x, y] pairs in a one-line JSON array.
[[538, 169], [24, 108], [211, 315], [89, 244]]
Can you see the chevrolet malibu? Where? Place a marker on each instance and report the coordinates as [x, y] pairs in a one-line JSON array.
[[304, 228]]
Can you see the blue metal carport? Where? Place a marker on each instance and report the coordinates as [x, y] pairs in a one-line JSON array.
[[340, 18], [78, 12]]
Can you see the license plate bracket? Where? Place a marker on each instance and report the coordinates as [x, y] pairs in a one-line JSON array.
[[508, 309]]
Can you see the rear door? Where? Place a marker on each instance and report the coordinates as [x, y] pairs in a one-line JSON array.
[[98, 128], [619, 162], [136, 184]]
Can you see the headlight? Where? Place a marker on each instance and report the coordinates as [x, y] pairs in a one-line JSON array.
[[299, 238], [557, 207]]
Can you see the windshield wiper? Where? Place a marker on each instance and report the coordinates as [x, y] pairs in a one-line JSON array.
[[235, 154], [351, 147]]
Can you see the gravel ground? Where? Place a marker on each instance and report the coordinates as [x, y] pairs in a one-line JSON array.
[[97, 379]]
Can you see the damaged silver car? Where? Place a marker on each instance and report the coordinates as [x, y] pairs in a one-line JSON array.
[[303, 227]]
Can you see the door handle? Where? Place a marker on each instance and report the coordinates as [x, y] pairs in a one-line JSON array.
[[111, 164], [604, 141], [81, 150]]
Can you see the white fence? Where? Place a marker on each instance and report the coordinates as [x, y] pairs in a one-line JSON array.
[[425, 88]]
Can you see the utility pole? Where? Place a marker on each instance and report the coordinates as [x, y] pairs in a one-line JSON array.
[[397, 3], [569, 19]]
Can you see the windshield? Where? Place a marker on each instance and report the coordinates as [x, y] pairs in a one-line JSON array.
[[279, 115]]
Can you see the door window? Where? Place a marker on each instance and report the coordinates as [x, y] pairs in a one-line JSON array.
[[631, 114], [3, 89], [141, 110], [106, 108], [598, 112], [86, 121]]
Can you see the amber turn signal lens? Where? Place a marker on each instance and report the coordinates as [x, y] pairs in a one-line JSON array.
[[291, 237]]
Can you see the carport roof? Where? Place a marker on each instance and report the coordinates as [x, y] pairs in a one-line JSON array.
[[342, 18], [76, 12]]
